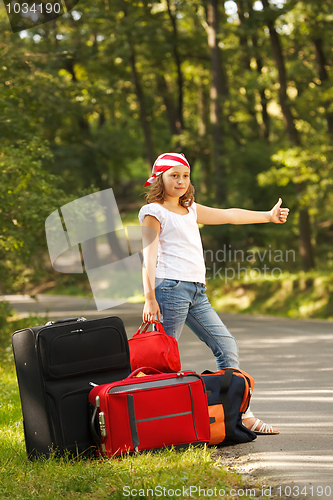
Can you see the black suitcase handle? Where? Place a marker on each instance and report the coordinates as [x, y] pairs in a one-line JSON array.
[[65, 320]]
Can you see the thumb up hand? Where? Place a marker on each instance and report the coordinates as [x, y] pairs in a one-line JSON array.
[[279, 215]]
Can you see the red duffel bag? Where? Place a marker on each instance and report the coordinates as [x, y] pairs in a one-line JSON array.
[[155, 349]]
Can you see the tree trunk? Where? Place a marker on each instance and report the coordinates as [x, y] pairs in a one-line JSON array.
[[218, 88], [149, 150], [150, 156], [204, 149], [174, 123], [263, 100], [306, 250], [324, 77], [180, 79], [244, 38], [279, 61]]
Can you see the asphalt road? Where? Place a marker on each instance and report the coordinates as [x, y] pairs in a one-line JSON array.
[[291, 362]]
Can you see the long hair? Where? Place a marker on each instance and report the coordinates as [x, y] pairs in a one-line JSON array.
[[156, 193]]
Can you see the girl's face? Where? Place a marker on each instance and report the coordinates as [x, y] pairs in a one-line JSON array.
[[176, 181]]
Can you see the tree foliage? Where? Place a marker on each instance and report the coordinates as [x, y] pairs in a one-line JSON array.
[[243, 88]]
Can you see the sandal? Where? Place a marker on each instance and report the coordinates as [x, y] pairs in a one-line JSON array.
[[264, 429]]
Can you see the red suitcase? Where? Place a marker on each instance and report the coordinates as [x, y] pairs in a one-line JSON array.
[[149, 412]]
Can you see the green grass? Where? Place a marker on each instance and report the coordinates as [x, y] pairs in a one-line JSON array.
[[70, 285], [130, 476], [87, 478], [299, 295]]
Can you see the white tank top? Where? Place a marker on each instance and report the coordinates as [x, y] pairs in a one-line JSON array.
[[180, 252]]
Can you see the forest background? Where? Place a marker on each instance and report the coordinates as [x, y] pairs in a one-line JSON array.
[[242, 88]]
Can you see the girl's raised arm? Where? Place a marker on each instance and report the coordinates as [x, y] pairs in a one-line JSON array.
[[209, 215]]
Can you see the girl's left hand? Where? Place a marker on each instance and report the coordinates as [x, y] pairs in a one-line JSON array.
[[279, 215]]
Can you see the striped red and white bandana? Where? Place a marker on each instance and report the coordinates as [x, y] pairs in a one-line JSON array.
[[164, 162]]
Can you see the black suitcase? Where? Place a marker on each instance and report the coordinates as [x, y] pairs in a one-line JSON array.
[[55, 364]]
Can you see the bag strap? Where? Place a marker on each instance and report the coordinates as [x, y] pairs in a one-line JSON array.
[[225, 400], [144, 327], [132, 421], [226, 381], [148, 370]]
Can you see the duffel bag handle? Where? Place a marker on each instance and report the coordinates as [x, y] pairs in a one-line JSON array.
[[144, 327], [66, 320], [144, 369]]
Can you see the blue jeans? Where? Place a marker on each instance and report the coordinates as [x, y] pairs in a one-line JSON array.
[[184, 302]]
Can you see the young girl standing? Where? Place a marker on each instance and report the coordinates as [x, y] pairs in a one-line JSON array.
[[174, 267]]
